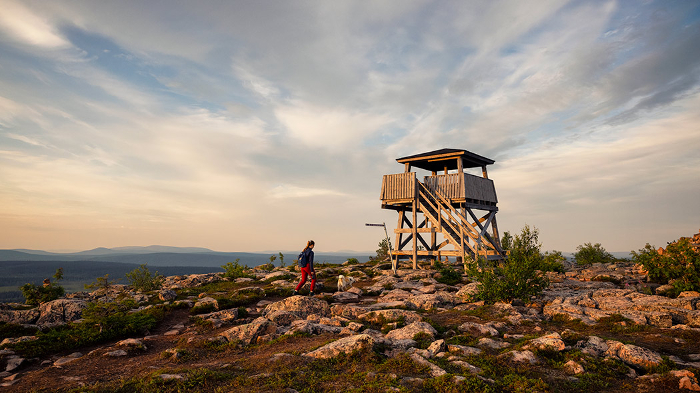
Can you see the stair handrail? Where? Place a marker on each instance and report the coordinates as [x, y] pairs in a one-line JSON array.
[[442, 201]]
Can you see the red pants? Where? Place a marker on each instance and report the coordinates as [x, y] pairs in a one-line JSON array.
[[306, 271]]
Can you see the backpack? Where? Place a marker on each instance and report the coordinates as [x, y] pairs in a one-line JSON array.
[[303, 260]]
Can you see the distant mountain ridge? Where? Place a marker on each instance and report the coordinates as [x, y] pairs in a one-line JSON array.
[[167, 256]]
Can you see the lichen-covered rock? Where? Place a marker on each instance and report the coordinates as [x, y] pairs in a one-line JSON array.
[[344, 345], [348, 310], [493, 344], [467, 292], [346, 297], [283, 318], [572, 367], [207, 302], [304, 326], [594, 346], [391, 315], [478, 329], [250, 332], [301, 305], [633, 355], [167, 295], [431, 301], [135, 343], [15, 340], [60, 311], [550, 341], [394, 295], [20, 317], [435, 371], [522, 356], [409, 331]]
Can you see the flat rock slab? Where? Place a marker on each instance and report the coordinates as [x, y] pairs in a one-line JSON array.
[[409, 331], [301, 305], [344, 345]]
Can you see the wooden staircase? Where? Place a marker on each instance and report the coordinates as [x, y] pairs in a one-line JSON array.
[[455, 226]]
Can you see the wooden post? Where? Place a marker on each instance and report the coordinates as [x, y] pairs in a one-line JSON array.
[[415, 230], [407, 167], [483, 172]]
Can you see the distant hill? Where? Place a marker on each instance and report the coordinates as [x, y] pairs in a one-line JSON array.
[[168, 256], [76, 274]]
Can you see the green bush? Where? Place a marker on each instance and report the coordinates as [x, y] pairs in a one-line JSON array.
[[447, 276], [553, 262], [588, 253], [383, 250], [35, 294], [517, 277], [235, 270], [353, 261], [679, 265], [142, 280]]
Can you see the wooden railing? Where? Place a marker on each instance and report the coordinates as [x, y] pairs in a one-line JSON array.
[[479, 188], [451, 186], [399, 186], [447, 185]]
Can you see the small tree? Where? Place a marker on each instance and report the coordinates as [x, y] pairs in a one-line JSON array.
[[101, 283], [141, 279], [235, 270], [588, 253], [506, 241], [383, 250], [517, 277], [282, 260], [679, 265], [35, 294]]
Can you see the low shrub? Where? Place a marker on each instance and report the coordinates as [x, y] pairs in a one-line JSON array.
[[35, 294], [679, 265], [588, 253], [141, 279], [517, 277], [447, 275], [234, 270]]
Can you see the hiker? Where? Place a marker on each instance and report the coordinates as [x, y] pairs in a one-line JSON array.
[[306, 263]]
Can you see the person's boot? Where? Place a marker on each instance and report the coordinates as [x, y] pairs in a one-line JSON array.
[[295, 293], [311, 293]]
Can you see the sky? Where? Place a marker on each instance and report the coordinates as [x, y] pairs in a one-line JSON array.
[[258, 125]]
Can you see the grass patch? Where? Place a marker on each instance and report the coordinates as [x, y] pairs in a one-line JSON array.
[[13, 330], [103, 322]]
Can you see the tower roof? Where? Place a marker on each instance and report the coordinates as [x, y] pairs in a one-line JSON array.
[[437, 160]]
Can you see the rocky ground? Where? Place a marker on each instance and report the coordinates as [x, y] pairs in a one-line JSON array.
[[600, 328]]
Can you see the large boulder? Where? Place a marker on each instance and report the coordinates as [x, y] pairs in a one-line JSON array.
[[303, 306], [20, 317], [391, 315], [633, 355], [409, 331], [431, 301], [467, 292], [250, 332], [344, 345], [550, 341], [60, 311]]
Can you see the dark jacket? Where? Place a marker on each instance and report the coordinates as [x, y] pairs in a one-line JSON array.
[[309, 256]]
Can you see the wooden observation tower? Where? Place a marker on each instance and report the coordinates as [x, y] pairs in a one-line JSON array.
[[454, 210]]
